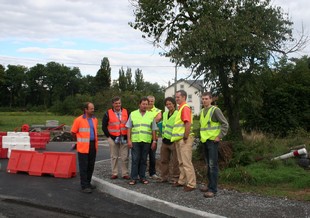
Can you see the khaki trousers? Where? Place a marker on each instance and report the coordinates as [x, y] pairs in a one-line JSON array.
[[168, 156], [118, 151], [187, 171]]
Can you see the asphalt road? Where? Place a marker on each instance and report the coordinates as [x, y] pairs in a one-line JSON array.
[[22, 195]]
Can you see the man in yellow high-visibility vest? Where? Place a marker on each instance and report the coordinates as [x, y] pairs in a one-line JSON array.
[[167, 151], [141, 136], [183, 138], [213, 127]]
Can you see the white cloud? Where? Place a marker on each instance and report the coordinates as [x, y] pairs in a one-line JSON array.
[[80, 33]]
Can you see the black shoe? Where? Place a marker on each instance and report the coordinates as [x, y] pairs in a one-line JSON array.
[[86, 190], [93, 186]]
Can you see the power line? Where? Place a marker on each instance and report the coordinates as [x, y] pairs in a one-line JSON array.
[[6, 59]]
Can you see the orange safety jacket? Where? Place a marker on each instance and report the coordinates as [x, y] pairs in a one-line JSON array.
[[117, 127], [82, 130]]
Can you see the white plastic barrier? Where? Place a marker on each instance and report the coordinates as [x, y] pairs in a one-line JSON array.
[[17, 141], [17, 133]]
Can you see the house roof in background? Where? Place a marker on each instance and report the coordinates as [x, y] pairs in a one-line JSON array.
[[198, 84]]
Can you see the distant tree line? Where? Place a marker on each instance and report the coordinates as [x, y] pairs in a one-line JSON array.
[[61, 89], [278, 102]]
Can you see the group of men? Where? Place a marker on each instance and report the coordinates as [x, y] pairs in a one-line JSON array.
[[139, 130]]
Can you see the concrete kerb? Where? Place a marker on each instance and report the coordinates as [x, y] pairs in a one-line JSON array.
[[151, 203], [146, 201]]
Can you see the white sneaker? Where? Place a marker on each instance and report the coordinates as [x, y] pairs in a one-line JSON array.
[[155, 177]]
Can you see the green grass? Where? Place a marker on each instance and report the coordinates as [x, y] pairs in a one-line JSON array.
[[275, 178], [10, 121], [272, 173], [281, 178]]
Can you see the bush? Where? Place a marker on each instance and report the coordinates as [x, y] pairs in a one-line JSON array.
[[252, 165]]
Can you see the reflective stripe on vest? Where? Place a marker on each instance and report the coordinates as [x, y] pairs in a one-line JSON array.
[[141, 126], [208, 128], [168, 124], [82, 140], [117, 127], [82, 130], [179, 127]]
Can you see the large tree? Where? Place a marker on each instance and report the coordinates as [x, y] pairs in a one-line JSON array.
[[15, 84], [122, 82], [224, 41], [36, 78], [4, 92], [139, 81], [129, 81], [103, 76]]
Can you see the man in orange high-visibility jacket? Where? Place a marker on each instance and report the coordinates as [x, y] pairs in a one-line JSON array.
[[84, 130], [113, 126]]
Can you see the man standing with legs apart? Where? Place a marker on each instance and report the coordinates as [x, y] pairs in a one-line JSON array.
[[113, 126], [213, 127], [183, 138], [84, 130], [141, 135], [152, 153]]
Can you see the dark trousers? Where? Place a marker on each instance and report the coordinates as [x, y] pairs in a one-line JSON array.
[[210, 149], [139, 153], [87, 165], [152, 161]]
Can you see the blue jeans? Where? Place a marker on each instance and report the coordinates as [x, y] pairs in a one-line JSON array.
[[139, 153], [210, 149]]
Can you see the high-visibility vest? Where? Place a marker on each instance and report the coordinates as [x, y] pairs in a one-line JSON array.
[[179, 127], [141, 126], [168, 124], [117, 127], [208, 129], [155, 111], [82, 130]]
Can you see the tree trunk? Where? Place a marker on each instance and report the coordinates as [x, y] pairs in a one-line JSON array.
[[231, 102]]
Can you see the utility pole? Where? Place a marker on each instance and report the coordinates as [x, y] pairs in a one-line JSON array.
[[175, 78]]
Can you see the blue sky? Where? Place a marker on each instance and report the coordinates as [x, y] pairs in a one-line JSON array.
[[80, 33]]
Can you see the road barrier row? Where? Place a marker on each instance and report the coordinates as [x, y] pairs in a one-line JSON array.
[[58, 164]]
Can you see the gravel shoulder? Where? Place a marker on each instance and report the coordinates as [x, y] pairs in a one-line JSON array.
[[227, 203]]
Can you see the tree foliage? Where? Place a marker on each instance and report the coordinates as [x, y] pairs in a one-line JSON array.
[[15, 84], [139, 82], [222, 41], [103, 76], [285, 104], [62, 90], [122, 82]]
